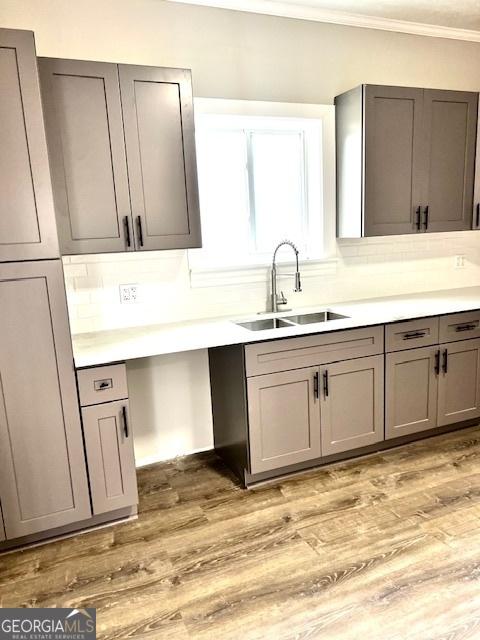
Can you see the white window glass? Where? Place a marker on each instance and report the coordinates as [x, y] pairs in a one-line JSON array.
[[261, 180], [277, 202]]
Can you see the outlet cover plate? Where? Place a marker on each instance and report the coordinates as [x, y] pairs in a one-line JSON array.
[[129, 293]]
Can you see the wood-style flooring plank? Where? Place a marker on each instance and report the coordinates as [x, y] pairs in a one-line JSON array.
[[386, 548]]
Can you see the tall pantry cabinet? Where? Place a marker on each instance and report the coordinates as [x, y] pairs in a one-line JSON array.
[[43, 477]]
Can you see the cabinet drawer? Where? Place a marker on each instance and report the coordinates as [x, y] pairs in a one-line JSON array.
[[411, 334], [307, 351], [102, 384], [460, 326]]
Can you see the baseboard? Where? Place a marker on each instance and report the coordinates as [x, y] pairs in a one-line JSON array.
[[75, 529], [146, 462]]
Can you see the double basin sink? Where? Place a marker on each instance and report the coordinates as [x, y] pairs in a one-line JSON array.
[[290, 321]]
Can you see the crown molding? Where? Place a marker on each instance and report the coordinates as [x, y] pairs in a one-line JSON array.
[[306, 11]]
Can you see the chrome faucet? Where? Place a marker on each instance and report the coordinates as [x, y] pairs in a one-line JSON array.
[[280, 299]]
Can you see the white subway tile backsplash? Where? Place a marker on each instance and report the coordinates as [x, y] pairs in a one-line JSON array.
[[74, 270], [364, 268]]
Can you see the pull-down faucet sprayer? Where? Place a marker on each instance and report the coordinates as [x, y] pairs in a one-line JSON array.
[[280, 299]]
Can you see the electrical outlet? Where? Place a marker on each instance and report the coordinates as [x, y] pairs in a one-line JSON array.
[[459, 262], [129, 293]]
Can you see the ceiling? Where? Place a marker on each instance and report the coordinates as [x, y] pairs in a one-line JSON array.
[[460, 14], [444, 18]]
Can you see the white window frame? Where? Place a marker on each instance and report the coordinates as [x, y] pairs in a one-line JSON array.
[[202, 271]]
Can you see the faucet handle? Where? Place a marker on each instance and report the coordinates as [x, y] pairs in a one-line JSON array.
[[281, 299]]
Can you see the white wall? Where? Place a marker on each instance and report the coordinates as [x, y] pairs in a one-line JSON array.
[[240, 56], [170, 405]]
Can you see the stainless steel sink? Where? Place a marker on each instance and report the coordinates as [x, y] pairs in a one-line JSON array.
[[290, 321], [265, 323], [310, 318]]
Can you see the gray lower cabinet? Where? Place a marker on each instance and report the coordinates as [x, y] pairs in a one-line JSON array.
[[294, 402], [157, 108], [83, 118], [459, 382], [411, 391], [351, 404], [110, 457], [27, 218], [43, 479], [405, 160], [284, 419]]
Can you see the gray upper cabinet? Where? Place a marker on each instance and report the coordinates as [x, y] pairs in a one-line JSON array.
[[284, 419], [27, 219], [122, 150], [450, 126], [405, 160], [43, 480], [351, 404], [159, 136], [393, 157], [476, 194], [83, 117]]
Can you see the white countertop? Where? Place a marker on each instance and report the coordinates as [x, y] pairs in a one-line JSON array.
[[116, 345]]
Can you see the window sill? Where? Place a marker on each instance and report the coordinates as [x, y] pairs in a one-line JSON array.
[[228, 276]]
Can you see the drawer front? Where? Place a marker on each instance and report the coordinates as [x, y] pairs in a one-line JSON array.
[[307, 351], [102, 384], [411, 334], [460, 326]]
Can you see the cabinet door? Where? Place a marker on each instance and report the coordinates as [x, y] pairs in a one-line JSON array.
[[43, 480], [284, 419], [159, 135], [459, 382], [411, 385], [27, 218], [83, 118], [476, 194], [393, 157], [110, 457], [450, 126], [351, 404]]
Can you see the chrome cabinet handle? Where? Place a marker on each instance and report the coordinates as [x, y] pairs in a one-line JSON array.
[[315, 385], [445, 361], [325, 383]]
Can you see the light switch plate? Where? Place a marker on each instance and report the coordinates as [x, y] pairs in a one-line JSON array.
[[129, 293]]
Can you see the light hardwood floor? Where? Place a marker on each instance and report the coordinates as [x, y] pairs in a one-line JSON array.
[[383, 548]]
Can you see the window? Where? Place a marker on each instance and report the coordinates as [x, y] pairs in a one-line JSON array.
[[261, 180]]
